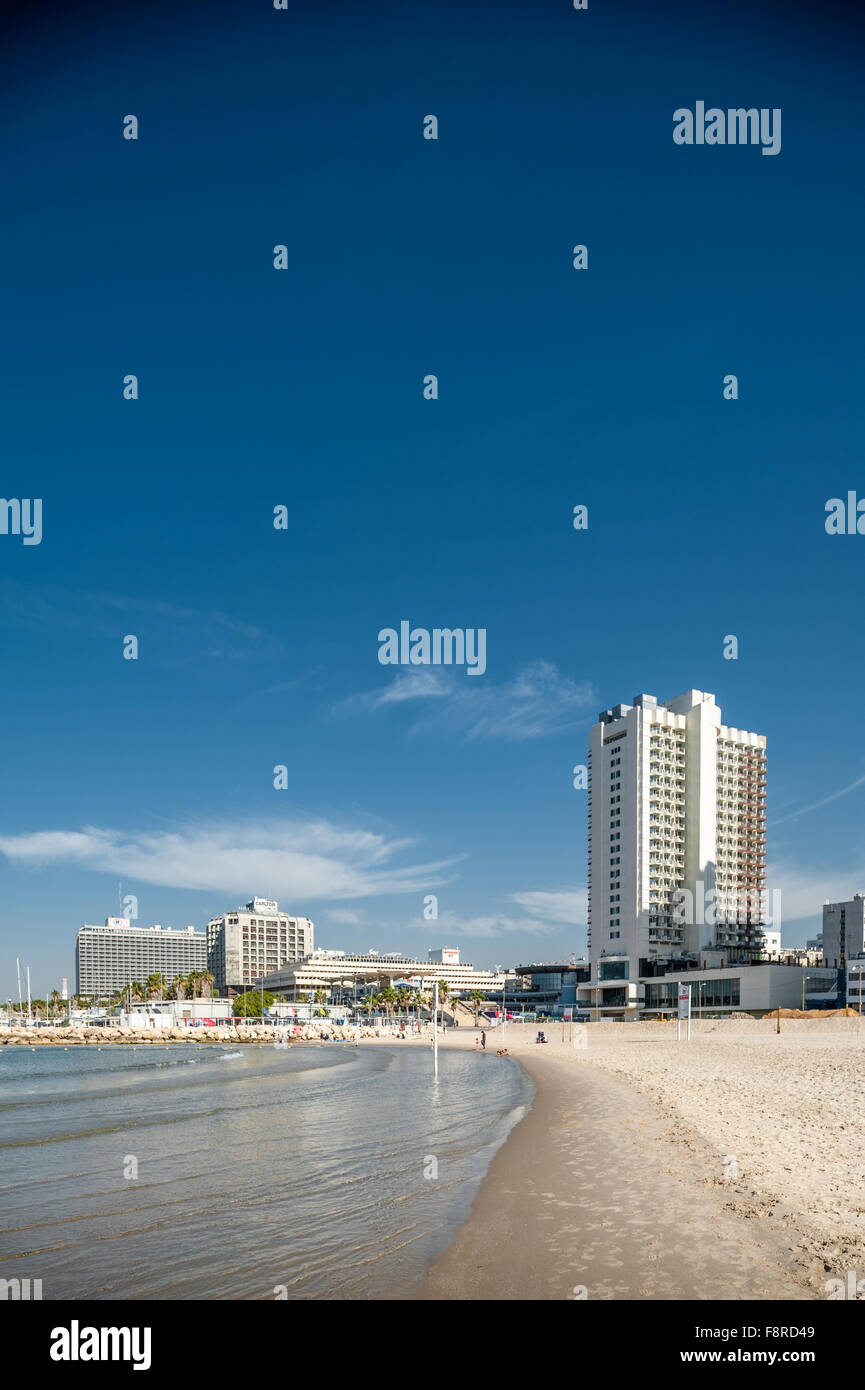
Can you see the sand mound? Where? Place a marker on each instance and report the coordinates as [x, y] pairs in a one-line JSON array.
[[817, 1013]]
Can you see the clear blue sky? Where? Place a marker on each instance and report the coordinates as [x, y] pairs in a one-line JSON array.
[[303, 388]]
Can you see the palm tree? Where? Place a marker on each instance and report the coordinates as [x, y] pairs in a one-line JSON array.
[[371, 1003], [320, 997], [388, 999], [477, 998], [136, 992], [155, 986], [177, 989], [207, 982], [54, 1000], [444, 991]]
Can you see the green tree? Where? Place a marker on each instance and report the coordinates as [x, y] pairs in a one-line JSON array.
[[249, 1005], [477, 998], [388, 999]]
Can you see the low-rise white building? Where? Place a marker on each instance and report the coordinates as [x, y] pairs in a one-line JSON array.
[[175, 1013], [751, 989], [758, 988], [326, 969]]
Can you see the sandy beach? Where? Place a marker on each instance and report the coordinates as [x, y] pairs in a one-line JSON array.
[[724, 1168], [727, 1167]]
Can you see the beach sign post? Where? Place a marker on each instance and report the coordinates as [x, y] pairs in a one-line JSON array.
[[684, 1012]]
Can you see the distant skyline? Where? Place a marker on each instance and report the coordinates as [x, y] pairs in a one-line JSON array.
[[303, 388]]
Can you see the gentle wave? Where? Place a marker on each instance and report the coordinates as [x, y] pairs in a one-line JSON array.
[[318, 1159]]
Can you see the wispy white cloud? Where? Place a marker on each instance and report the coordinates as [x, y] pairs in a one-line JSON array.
[[174, 634], [568, 906], [804, 889], [298, 861], [342, 917], [414, 685], [815, 805], [456, 928], [544, 914], [539, 701]]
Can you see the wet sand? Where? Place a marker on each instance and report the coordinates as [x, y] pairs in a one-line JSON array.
[[590, 1198]]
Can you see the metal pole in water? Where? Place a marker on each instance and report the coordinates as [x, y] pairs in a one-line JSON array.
[[436, 1030]]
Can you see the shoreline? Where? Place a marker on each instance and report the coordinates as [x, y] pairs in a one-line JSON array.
[[642, 1168], [595, 1194], [166, 1037]]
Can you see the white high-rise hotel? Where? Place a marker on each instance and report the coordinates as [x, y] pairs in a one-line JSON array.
[[676, 801], [253, 941]]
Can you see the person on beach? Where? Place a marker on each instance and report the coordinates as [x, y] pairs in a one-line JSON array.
[[483, 1041]]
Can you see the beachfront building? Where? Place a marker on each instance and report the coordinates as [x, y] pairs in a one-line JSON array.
[[549, 987], [843, 931], [174, 1013], [755, 989], [109, 958], [337, 969], [676, 843], [801, 955], [254, 940], [854, 975]]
